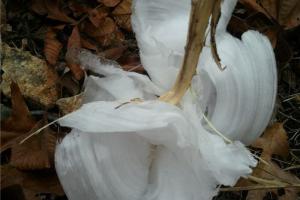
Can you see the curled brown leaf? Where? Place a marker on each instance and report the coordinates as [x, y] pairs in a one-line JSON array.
[[122, 14], [35, 153], [52, 47], [96, 15], [52, 8], [74, 45], [285, 12], [109, 3]]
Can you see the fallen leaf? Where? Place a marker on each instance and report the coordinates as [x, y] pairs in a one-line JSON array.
[[52, 8], [114, 53], [109, 3], [74, 46], [291, 17], [20, 119], [255, 6], [18, 123], [286, 12], [8, 139], [39, 7], [106, 27], [37, 152], [69, 104], [272, 34], [272, 172], [122, 14], [85, 43], [123, 8], [2, 15], [111, 39], [131, 63], [52, 47], [96, 15], [69, 85], [32, 183], [273, 141], [77, 8], [37, 80]]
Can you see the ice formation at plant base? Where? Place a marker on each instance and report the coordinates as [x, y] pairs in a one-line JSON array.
[[155, 150]]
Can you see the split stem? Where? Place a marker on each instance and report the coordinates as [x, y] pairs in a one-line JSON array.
[[200, 12]]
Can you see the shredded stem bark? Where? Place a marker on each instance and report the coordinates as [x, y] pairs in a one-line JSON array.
[[200, 13]]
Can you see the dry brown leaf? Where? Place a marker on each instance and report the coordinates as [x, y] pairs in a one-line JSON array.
[[123, 8], [113, 38], [74, 45], [2, 15], [37, 80], [19, 122], [77, 9], [85, 43], [109, 3], [74, 39], [272, 172], [122, 14], [35, 153], [286, 12], [39, 7], [124, 21], [273, 141], [290, 18], [272, 34], [69, 84], [106, 27], [114, 53], [106, 34], [8, 139], [131, 62], [69, 104], [52, 47], [96, 15], [20, 119], [255, 6], [52, 8], [31, 183]]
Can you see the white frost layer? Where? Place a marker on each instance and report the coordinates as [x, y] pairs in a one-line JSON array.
[[119, 150], [149, 150], [244, 93], [109, 150]]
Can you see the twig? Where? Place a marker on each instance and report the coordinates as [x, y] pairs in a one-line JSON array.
[[258, 187], [216, 13], [292, 167], [40, 129], [268, 182]]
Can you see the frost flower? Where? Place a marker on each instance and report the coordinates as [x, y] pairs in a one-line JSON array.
[[127, 145]]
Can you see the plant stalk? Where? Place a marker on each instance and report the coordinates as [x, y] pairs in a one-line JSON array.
[[200, 12]]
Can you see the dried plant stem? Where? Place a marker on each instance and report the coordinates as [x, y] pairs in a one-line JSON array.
[[274, 182], [200, 13], [263, 185], [258, 187]]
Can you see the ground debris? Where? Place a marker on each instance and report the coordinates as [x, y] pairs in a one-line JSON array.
[[35, 78]]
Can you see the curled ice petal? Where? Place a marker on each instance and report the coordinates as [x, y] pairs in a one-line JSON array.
[[114, 151]]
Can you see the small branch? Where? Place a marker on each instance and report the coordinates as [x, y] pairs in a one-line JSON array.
[[268, 182], [258, 187], [216, 13], [200, 12]]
